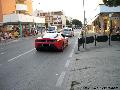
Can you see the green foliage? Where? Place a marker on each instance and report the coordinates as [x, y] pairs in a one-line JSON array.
[[112, 3], [77, 22], [68, 22]]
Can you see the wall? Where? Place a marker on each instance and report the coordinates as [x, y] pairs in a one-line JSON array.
[[8, 6], [1, 12], [29, 6]]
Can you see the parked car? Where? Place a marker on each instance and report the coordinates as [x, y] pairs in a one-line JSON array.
[[68, 32], [51, 41], [52, 29]]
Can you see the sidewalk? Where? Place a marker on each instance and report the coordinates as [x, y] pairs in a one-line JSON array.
[[96, 68]]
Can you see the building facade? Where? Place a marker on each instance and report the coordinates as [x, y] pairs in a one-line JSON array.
[[105, 19], [18, 13], [15, 6], [56, 18]]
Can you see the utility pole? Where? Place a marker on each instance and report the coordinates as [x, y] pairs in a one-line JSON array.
[[84, 22]]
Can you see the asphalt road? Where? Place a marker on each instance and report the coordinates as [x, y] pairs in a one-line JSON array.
[[23, 68]]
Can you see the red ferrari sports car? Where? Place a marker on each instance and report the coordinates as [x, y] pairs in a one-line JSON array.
[[51, 41]]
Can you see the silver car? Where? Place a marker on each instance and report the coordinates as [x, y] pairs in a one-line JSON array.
[[68, 32]]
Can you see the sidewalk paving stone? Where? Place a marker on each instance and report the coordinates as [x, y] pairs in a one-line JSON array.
[[95, 68]]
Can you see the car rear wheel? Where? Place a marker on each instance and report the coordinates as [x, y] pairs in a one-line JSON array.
[[62, 48], [37, 49]]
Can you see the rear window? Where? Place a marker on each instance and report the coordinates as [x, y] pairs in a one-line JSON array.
[[51, 28], [50, 35], [67, 30]]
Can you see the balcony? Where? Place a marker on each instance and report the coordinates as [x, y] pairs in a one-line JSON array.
[[21, 7]]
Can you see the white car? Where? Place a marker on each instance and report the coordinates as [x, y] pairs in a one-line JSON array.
[[52, 29], [68, 32]]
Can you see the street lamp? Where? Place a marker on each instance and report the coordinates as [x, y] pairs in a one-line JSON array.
[[110, 18], [110, 26]]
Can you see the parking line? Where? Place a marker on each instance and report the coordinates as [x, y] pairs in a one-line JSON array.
[[2, 53], [71, 54], [1, 48], [20, 55], [0, 64], [67, 63], [60, 79]]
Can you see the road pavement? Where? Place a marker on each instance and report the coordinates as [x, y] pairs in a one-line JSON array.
[[23, 68]]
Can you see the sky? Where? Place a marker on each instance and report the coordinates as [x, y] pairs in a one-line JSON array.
[[71, 8]]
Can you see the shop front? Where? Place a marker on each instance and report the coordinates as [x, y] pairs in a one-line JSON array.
[[107, 20], [20, 23]]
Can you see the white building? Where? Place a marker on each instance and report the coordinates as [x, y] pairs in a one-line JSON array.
[[56, 18]]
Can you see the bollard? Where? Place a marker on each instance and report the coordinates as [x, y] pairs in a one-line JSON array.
[[78, 45], [95, 40], [109, 39], [83, 39]]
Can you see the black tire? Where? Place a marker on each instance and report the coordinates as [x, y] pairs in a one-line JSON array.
[[37, 49], [62, 48]]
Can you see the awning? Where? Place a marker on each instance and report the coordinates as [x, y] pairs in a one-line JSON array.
[[95, 18], [15, 18]]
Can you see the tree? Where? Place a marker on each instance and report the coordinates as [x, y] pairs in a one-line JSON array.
[[77, 23], [111, 3], [68, 22]]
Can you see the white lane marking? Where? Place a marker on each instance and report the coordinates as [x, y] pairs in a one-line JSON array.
[[71, 54], [20, 55], [67, 63], [60, 79], [75, 44], [2, 53], [2, 48], [57, 74]]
